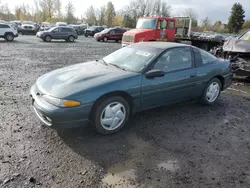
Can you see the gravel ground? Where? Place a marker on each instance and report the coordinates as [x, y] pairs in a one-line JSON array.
[[184, 145]]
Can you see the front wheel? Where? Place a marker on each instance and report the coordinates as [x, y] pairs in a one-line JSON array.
[[211, 92], [47, 38], [105, 39], [110, 115], [9, 37]]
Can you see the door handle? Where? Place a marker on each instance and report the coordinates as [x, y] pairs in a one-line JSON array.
[[192, 75]]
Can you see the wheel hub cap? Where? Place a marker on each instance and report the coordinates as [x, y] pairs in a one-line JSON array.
[[112, 116], [213, 92]]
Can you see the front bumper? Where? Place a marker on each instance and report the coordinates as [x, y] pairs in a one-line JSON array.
[[29, 31], [228, 80], [124, 44], [56, 117]]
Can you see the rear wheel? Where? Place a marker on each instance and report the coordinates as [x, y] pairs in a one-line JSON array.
[[110, 115], [9, 37], [71, 38], [211, 92]]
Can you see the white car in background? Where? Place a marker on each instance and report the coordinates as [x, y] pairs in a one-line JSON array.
[[8, 32], [61, 24]]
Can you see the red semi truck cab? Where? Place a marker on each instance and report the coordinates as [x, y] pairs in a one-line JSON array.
[[151, 29]]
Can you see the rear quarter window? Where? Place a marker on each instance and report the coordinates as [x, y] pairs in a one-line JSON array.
[[206, 57], [4, 26]]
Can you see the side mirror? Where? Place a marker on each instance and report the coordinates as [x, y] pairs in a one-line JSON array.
[[154, 73]]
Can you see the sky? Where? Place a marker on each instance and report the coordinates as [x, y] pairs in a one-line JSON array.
[[213, 9]]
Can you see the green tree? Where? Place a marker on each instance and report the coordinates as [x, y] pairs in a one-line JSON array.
[[127, 21], [70, 9], [217, 26], [236, 20], [246, 25], [110, 13]]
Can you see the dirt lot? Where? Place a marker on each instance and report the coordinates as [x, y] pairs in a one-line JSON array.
[[184, 145]]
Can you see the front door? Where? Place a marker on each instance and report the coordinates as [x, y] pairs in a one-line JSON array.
[[2, 29], [161, 30], [56, 33], [178, 83], [171, 30]]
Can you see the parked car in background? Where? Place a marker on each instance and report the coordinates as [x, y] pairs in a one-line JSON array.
[[44, 25], [196, 34], [8, 32], [93, 30], [59, 32], [138, 77], [61, 24], [28, 29], [110, 34]]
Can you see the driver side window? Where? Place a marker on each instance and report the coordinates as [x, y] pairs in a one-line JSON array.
[[162, 24], [175, 59], [112, 32], [56, 30]]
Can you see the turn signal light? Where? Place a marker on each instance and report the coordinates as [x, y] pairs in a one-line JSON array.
[[71, 103]]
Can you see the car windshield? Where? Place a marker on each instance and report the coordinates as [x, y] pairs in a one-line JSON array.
[[246, 36], [52, 28], [93, 28], [146, 24], [30, 23], [130, 59], [105, 30]]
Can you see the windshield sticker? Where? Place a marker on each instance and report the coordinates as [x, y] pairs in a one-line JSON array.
[[143, 53]]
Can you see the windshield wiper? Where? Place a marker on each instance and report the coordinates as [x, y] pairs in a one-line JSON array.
[[115, 65], [104, 62]]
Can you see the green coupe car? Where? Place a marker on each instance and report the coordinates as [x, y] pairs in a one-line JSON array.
[[106, 92]]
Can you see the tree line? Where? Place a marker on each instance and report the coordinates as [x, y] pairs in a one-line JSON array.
[[52, 11]]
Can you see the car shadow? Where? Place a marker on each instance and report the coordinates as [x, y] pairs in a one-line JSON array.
[[141, 132], [4, 41], [58, 42]]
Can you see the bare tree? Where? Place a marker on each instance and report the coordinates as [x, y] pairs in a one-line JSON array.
[[91, 16], [70, 9], [110, 13], [58, 8]]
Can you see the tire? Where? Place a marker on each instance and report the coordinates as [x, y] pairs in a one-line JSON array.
[[105, 39], [116, 41], [207, 99], [86, 35], [9, 37], [47, 38], [71, 38], [101, 110]]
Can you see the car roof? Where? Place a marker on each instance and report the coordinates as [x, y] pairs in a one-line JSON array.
[[159, 45]]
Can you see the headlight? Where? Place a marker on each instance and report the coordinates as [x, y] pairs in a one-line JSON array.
[[60, 102]]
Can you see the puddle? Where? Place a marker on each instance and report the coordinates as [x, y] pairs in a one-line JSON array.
[[120, 174], [169, 165], [118, 179]]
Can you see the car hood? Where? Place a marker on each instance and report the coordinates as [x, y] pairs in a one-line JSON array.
[[80, 77], [237, 45], [138, 31]]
